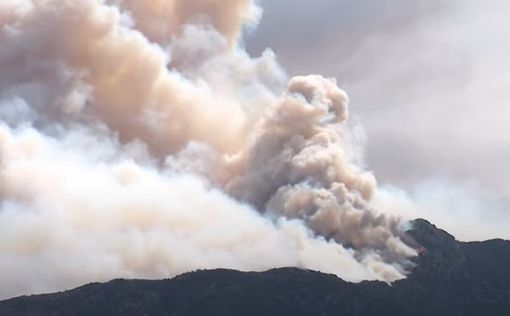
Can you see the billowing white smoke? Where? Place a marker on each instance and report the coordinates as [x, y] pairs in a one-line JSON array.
[[137, 139]]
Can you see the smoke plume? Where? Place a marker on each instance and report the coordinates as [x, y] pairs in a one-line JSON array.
[[138, 139]]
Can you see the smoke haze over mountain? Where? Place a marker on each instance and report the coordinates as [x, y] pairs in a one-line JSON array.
[[139, 139]]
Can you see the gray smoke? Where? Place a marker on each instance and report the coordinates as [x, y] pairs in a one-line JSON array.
[[298, 166], [429, 83], [138, 139]]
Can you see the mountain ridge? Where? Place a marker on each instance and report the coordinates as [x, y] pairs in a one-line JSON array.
[[450, 278]]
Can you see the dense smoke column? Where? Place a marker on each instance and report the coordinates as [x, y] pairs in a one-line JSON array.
[[297, 167], [138, 140]]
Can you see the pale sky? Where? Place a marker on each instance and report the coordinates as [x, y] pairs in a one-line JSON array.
[[429, 81]]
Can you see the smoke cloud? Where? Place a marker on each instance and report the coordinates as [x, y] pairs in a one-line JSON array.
[[139, 140], [429, 83]]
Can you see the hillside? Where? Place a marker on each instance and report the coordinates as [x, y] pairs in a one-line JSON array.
[[451, 278]]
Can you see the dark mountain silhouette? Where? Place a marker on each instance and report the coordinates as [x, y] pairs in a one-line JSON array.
[[451, 278]]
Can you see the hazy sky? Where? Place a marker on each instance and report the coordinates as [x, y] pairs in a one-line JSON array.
[[429, 81]]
